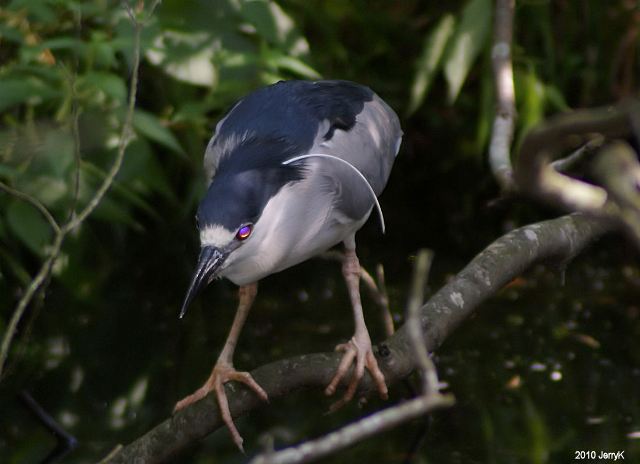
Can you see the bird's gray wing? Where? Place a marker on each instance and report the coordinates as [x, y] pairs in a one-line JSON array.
[[370, 147]]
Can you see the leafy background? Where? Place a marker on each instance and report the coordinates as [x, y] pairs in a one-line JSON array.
[[544, 369]]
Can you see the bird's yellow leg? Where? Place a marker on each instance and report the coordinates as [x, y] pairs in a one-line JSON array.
[[223, 371], [358, 349]]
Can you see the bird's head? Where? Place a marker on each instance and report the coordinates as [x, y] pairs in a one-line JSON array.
[[216, 245], [230, 219], [226, 219]]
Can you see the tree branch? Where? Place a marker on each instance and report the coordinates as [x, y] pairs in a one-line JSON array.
[[558, 239], [414, 329], [353, 433], [616, 165], [618, 170], [535, 176]]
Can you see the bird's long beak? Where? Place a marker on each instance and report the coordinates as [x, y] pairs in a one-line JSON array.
[[210, 260]]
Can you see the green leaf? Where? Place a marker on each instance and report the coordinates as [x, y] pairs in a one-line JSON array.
[[150, 126], [17, 91], [96, 176], [294, 65], [29, 226], [470, 37], [270, 21], [101, 50], [186, 56], [429, 62], [486, 109], [11, 33], [31, 53], [39, 11], [48, 189], [555, 98], [192, 112], [111, 84], [8, 172], [113, 213], [531, 95], [61, 43], [142, 173]]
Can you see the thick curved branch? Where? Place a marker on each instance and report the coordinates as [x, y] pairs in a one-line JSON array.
[[616, 166], [558, 239], [534, 173]]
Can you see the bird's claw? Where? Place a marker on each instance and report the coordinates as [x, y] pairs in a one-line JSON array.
[[360, 350], [221, 374]]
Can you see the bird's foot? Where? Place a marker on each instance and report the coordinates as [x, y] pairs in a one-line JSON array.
[[221, 374], [358, 349]]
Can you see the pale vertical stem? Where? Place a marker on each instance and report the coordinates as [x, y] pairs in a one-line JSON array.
[[503, 124]]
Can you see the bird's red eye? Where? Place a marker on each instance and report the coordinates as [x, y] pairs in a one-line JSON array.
[[244, 232]]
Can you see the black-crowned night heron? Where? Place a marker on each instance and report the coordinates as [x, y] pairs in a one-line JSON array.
[[294, 169]]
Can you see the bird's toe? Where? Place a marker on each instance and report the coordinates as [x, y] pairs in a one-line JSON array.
[[350, 354], [193, 398], [223, 373], [225, 413], [248, 380], [364, 359], [378, 376]]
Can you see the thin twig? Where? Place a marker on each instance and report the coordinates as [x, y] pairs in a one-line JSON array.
[[504, 121], [389, 326], [28, 295], [125, 138], [129, 9], [356, 432], [75, 129], [66, 441], [376, 291], [571, 160], [33, 202], [75, 132], [416, 297], [378, 294], [111, 454]]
